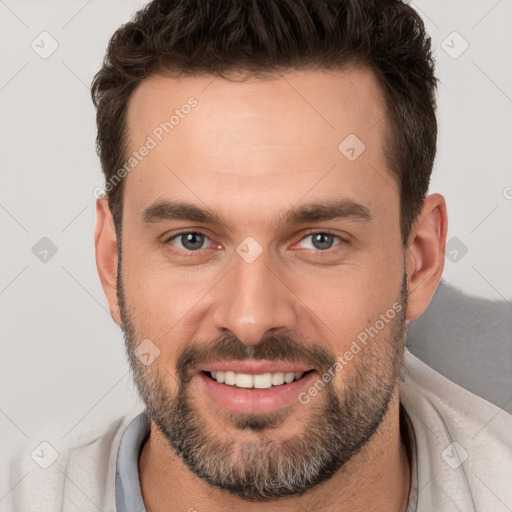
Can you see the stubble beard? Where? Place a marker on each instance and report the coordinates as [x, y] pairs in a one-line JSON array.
[[271, 466]]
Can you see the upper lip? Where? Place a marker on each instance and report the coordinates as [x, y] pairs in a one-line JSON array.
[[254, 367]]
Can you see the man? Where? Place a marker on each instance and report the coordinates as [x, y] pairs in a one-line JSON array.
[[264, 238]]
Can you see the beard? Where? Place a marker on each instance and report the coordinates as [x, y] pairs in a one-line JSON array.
[[262, 465]]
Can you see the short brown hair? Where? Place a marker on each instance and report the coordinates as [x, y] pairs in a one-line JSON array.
[[195, 37]]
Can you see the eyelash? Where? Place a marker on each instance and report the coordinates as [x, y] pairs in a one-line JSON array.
[[177, 235], [309, 233], [315, 232]]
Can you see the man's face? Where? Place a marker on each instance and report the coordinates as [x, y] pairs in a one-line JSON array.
[[257, 289]]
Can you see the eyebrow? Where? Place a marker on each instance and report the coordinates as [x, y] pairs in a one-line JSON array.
[[315, 212], [329, 210], [170, 210]]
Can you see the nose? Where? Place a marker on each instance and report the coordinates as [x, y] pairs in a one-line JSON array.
[[253, 301]]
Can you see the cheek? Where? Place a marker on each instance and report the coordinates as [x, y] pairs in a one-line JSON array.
[[350, 301], [162, 300], [336, 304]]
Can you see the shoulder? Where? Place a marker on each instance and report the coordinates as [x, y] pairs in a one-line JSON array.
[[78, 475], [463, 442]]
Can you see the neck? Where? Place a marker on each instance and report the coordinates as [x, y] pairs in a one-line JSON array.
[[377, 478]]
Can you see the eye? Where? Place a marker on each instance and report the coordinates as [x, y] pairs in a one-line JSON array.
[[321, 240], [189, 241]]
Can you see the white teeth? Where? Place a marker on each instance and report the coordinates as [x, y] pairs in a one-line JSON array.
[[263, 381], [229, 378], [260, 381], [277, 378], [243, 380]]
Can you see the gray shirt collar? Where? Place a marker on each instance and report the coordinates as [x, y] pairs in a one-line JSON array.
[[128, 492]]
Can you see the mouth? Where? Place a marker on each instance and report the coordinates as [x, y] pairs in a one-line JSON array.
[[258, 381], [255, 388]]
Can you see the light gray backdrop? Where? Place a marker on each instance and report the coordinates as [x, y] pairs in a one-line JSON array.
[[62, 364]]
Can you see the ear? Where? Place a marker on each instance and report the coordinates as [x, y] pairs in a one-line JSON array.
[[105, 242], [425, 254]]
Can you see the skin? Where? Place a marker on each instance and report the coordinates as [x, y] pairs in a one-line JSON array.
[[250, 151]]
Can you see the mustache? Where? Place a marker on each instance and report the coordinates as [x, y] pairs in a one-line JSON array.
[[271, 348]]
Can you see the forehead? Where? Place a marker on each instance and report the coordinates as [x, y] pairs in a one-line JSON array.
[[272, 138]]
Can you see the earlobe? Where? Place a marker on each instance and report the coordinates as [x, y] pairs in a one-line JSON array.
[[105, 242], [425, 254]]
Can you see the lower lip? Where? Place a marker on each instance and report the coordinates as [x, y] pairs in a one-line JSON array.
[[255, 401]]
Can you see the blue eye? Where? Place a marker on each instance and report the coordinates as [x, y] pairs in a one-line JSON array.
[[195, 241], [322, 241], [189, 240]]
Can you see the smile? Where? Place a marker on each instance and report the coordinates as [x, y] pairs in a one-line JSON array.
[[254, 387], [259, 381]]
